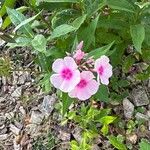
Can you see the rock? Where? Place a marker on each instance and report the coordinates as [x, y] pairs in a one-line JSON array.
[[64, 136], [25, 76], [9, 115], [95, 147], [22, 110], [48, 105], [17, 93], [77, 133], [3, 137], [36, 117], [32, 129], [132, 138], [2, 99], [2, 120], [141, 116], [128, 108], [140, 97], [14, 129]]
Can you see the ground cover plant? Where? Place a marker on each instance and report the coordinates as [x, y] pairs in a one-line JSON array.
[[88, 60]]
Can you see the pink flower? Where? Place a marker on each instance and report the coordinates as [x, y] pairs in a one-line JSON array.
[[79, 53], [86, 87], [67, 76], [104, 69]]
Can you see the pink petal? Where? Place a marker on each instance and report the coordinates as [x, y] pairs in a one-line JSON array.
[[73, 93], [56, 80], [101, 61], [83, 94], [69, 85], [92, 87], [69, 62], [104, 80], [108, 71], [80, 45], [58, 65], [87, 75]]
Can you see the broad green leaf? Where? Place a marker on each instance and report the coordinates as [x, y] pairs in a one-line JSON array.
[[88, 34], [116, 143], [104, 129], [107, 120], [78, 22], [39, 43], [7, 21], [100, 51], [16, 18], [66, 101], [7, 3], [61, 30], [102, 94], [54, 1], [124, 5], [144, 145], [127, 64], [20, 42], [44, 62], [26, 21], [138, 35]]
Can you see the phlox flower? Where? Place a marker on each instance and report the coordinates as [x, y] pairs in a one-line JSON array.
[[79, 53], [103, 69], [86, 87], [67, 75]]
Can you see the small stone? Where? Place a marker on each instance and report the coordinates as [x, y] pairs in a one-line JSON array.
[[48, 105], [22, 110], [77, 134], [17, 93], [132, 138], [36, 117], [140, 97], [128, 108], [14, 129], [141, 116], [95, 147], [64, 136], [2, 99], [9, 115], [32, 129], [3, 137]]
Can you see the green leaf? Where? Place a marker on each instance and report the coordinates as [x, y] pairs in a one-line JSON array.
[[123, 5], [138, 35], [54, 1], [88, 34], [20, 42], [144, 145], [39, 43], [100, 51], [128, 62], [66, 101], [79, 21], [26, 21], [61, 30], [7, 21], [107, 120], [16, 17], [104, 129], [102, 94], [7, 3], [116, 143]]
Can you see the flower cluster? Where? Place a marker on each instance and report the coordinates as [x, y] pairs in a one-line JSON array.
[[75, 74]]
